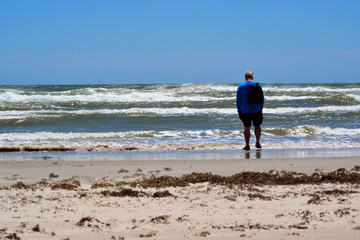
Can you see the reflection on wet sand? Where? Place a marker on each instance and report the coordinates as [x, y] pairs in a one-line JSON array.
[[257, 154]]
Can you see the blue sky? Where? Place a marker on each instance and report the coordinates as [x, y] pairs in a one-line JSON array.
[[178, 41]]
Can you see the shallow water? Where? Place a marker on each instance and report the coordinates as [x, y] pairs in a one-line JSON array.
[[183, 155]]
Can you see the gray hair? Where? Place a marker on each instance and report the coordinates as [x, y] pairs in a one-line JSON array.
[[249, 75]]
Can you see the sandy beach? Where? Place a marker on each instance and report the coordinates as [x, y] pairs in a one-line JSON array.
[[49, 198]]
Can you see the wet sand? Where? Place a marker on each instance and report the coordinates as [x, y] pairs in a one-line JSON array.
[[31, 168], [99, 197]]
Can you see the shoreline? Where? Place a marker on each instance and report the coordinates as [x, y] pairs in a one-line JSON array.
[[32, 167], [96, 147], [176, 154]]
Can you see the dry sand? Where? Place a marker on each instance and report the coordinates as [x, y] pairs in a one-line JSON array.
[[72, 209]]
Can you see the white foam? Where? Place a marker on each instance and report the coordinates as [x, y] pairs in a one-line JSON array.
[[327, 131], [115, 146], [355, 108], [178, 111], [289, 98], [313, 89], [201, 88], [213, 135], [56, 136], [109, 96], [356, 97], [184, 111], [23, 114], [164, 93], [312, 131]]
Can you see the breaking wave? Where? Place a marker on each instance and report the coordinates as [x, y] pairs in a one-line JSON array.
[[184, 111], [195, 135]]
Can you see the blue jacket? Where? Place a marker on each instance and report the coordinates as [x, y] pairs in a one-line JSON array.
[[242, 99]]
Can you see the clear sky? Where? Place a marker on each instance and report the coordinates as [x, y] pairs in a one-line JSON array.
[[178, 41]]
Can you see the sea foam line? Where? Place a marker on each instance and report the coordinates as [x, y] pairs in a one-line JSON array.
[[184, 111], [111, 97], [198, 135], [314, 89], [158, 93], [107, 147], [137, 98]]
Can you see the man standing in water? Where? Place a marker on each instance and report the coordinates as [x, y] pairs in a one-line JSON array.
[[249, 112]]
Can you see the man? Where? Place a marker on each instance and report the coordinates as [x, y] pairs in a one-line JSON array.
[[249, 112]]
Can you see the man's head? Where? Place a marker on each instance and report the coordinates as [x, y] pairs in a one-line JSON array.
[[249, 75]]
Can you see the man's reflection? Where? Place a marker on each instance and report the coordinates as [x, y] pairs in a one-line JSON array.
[[247, 154], [257, 154]]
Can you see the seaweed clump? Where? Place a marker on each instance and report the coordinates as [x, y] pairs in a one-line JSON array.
[[10, 149], [83, 221], [66, 184], [356, 168], [47, 149], [162, 194], [183, 181], [101, 185], [13, 236], [160, 219], [126, 192], [20, 185]]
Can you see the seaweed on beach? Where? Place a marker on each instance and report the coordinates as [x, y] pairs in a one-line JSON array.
[[84, 220], [148, 235], [66, 184], [129, 149], [253, 196], [12, 236], [36, 228], [20, 185], [356, 168], [315, 199], [43, 183], [126, 192], [169, 181], [47, 149], [10, 149], [162, 194], [338, 192], [248, 178], [122, 170], [92, 222], [102, 185], [163, 219], [345, 211], [256, 178], [203, 234], [36, 149]]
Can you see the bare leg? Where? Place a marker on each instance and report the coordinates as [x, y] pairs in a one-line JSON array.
[[247, 136], [258, 135]]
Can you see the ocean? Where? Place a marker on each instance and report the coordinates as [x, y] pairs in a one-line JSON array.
[[173, 117]]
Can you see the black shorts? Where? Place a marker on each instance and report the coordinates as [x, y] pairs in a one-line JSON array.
[[256, 118]]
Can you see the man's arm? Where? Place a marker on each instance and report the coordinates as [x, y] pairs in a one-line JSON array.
[[262, 104], [238, 101]]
